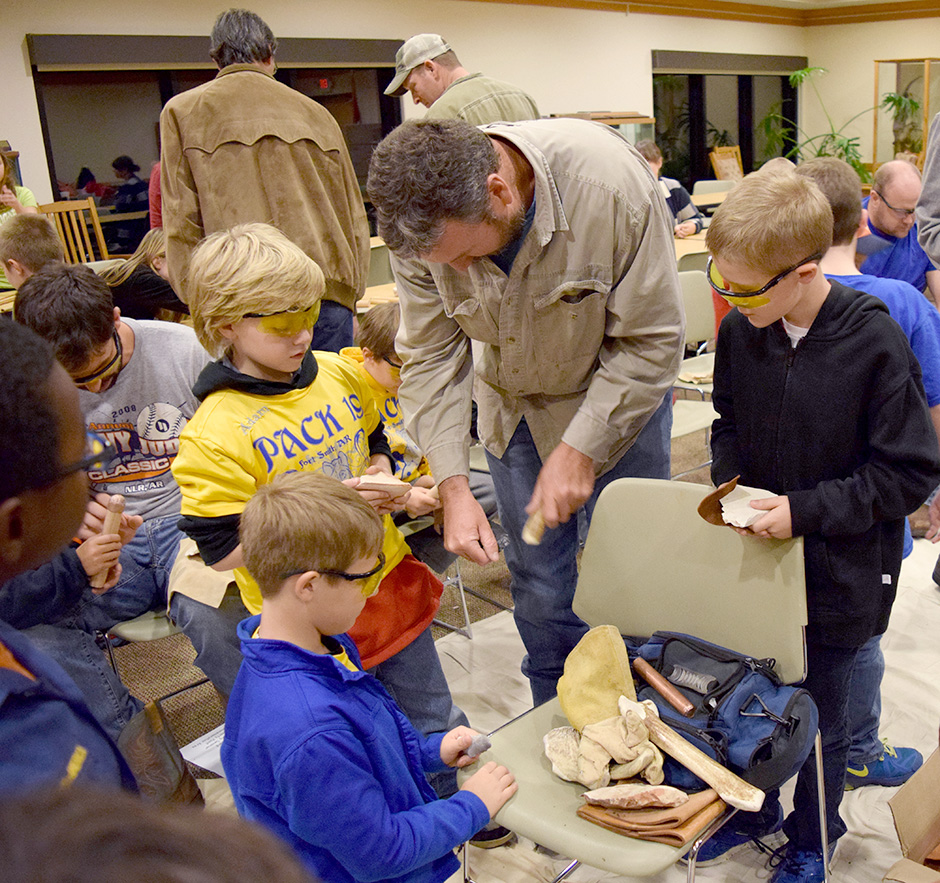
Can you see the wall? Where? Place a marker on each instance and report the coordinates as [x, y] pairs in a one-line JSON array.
[[849, 52], [567, 59]]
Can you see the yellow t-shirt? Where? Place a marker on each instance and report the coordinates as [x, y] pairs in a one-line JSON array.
[[237, 441]]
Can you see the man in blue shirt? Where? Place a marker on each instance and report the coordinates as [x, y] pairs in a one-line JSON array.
[[892, 250]]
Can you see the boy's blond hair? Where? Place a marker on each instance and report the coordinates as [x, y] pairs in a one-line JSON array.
[[377, 329], [31, 241], [305, 521], [769, 222], [251, 268]]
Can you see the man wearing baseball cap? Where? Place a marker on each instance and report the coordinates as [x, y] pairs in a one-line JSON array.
[[429, 69]]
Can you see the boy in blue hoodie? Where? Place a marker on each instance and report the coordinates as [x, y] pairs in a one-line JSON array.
[[315, 748]]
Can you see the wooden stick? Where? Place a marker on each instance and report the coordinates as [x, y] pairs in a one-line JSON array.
[[731, 788], [112, 521], [673, 696], [534, 528]]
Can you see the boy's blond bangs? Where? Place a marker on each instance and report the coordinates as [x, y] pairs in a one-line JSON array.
[[305, 520], [251, 268], [769, 222]]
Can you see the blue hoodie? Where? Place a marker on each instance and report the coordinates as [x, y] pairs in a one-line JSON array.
[[324, 757]]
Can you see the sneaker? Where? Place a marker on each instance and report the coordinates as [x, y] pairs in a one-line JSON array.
[[491, 836], [894, 767], [801, 866], [729, 841]]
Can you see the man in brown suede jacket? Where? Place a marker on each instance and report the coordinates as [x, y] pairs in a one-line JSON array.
[[246, 148]]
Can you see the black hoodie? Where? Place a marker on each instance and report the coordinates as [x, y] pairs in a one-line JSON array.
[[840, 425]]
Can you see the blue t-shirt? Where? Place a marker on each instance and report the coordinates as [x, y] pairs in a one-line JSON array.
[[919, 320], [901, 259], [920, 323]]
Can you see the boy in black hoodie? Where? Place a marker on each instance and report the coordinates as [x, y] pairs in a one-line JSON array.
[[819, 400]]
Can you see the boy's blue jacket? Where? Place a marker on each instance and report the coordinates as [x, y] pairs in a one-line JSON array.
[[323, 757], [48, 736], [840, 425]]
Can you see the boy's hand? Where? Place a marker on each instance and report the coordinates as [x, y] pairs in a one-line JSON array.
[[421, 501], [93, 521], [493, 784], [380, 501], [777, 522], [455, 743], [99, 553], [686, 228]]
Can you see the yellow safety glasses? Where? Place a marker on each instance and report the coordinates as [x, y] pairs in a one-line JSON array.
[[288, 322], [749, 299]]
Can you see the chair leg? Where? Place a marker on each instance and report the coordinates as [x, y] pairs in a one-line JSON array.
[[457, 580], [465, 862], [566, 871], [105, 638], [702, 838], [821, 799]]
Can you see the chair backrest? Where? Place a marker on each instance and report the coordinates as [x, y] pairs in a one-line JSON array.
[[697, 302], [707, 185], [651, 563], [71, 219], [726, 161], [694, 260]]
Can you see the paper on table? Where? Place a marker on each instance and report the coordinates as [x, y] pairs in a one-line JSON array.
[[206, 751], [736, 507]]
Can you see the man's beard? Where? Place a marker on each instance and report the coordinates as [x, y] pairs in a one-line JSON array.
[[509, 228]]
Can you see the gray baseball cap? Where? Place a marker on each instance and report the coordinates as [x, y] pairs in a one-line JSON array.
[[419, 49]]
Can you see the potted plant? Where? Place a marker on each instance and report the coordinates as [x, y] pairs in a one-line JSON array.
[[779, 131]]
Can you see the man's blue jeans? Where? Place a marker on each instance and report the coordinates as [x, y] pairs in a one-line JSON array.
[[334, 328], [544, 576]]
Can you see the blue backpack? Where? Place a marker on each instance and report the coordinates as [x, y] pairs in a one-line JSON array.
[[745, 718]]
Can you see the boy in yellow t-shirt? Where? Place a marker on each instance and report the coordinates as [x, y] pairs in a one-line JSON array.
[[380, 366], [271, 406]]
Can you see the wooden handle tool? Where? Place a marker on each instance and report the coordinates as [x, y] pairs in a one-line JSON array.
[[534, 528], [730, 788], [112, 521], [673, 696]]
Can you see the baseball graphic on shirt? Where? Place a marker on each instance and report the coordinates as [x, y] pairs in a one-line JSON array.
[[160, 421]]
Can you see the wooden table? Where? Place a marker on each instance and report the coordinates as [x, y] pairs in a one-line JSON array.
[[708, 200], [114, 217], [377, 294], [693, 243]]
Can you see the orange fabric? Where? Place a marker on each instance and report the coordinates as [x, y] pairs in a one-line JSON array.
[[8, 660], [406, 602], [722, 308]]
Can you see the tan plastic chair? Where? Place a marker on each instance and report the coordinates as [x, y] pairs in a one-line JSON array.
[[689, 415], [652, 564], [71, 219]]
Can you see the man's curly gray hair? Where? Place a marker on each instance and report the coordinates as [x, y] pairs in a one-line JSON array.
[[425, 173]]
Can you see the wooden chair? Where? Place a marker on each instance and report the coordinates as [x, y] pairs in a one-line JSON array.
[[72, 219], [726, 161]]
